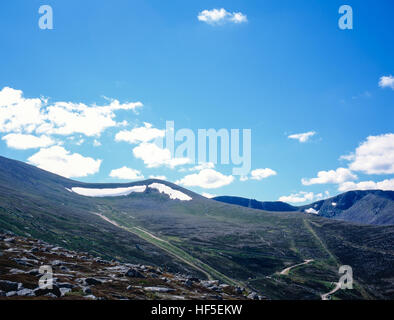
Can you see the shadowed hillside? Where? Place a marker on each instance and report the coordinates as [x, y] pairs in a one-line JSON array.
[[374, 207]]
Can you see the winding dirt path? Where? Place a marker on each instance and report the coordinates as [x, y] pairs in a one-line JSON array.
[[287, 270], [326, 296], [176, 252]]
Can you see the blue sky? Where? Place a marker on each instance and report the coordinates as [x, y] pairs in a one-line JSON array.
[[285, 69]]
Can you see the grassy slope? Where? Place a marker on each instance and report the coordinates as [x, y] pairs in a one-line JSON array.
[[247, 245], [251, 247]]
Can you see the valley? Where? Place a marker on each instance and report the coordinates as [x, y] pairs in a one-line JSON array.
[[200, 237]]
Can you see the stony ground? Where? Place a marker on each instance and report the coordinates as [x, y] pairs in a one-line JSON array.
[[81, 276]]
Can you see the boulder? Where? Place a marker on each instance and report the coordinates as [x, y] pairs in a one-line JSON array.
[[209, 283], [65, 285], [253, 296], [64, 291], [92, 281], [64, 269], [57, 263], [238, 290], [44, 292], [33, 272], [188, 283], [16, 271], [86, 290], [8, 286], [132, 273], [23, 262], [159, 289], [25, 293]]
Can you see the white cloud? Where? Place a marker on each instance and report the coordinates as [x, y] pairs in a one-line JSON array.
[[337, 176], [154, 156], [206, 178], [96, 143], [27, 141], [20, 115], [202, 166], [387, 82], [126, 173], [374, 156], [141, 134], [387, 184], [260, 174], [208, 195], [58, 160], [302, 137], [65, 118], [221, 16], [238, 17], [301, 196], [158, 177]]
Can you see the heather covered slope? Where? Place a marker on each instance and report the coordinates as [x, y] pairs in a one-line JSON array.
[[368, 207], [201, 237]]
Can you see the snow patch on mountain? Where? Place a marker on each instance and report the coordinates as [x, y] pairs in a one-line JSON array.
[[311, 210], [108, 192], [173, 194]]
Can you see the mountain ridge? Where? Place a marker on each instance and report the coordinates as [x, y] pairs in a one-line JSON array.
[[228, 242], [375, 207]]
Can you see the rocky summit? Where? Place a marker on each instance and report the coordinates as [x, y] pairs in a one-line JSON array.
[[80, 276]]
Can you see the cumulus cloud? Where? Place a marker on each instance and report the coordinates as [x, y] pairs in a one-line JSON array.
[[58, 160], [126, 173], [27, 141], [301, 196], [387, 184], [65, 118], [206, 178], [387, 82], [201, 166], [337, 176], [154, 156], [141, 134], [374, 156], [259, 174], [302, 137], [21, 115], [238, 17], [18, 114], [221, 16]]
